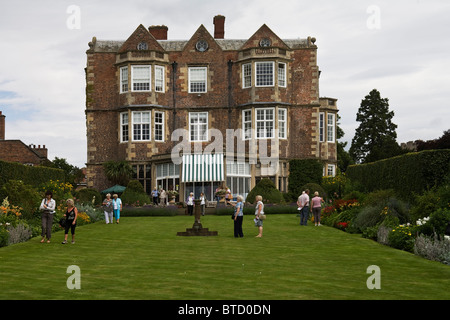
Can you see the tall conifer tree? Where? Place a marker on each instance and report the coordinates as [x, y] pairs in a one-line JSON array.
[[375, 138]]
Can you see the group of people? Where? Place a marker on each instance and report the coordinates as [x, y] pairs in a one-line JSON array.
[[305, 206], [159, 197], [190, 203], [238, 216], [69, 221], [113, 206]]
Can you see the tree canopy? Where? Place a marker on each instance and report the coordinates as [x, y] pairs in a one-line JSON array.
[[375, 138]]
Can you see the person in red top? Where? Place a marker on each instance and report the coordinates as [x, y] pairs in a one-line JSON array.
[[316, 204]]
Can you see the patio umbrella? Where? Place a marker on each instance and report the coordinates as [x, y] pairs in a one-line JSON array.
[[115, 189]]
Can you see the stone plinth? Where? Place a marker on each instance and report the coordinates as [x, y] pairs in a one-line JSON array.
[[197, 228]]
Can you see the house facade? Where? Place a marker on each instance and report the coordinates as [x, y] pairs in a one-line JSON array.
[[196, 114]]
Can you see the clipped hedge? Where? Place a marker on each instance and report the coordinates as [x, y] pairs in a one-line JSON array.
[[301, 172], [34, 176], [407, 174]]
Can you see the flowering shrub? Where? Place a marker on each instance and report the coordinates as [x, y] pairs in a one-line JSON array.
[[342, 225], [83, 218], [403, 237], [61, 190], [9, 214], [333, 184]]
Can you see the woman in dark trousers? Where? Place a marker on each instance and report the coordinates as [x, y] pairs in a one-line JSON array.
[[238, 217], [47, 207]]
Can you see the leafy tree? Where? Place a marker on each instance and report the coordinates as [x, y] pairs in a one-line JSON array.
[[375, 138], [441, 143], [74, 175], [118, 172]]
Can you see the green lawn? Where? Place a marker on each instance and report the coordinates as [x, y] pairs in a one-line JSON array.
[[142, 258]]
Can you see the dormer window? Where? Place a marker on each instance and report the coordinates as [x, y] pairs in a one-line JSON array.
[[142, 46]]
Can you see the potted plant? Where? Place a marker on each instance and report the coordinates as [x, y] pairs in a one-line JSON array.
[[172, 195]]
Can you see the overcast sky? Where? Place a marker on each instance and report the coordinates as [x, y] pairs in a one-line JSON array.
[[401, 48]]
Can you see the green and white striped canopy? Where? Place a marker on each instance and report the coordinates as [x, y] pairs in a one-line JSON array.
[[200, 167]]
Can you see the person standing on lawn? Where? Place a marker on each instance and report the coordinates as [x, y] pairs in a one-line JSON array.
[[238, 217], [108, 208], [48, 206], [190, 204], [316, 204], [71, 220], [303, 204], [117, 207], [258, 215]]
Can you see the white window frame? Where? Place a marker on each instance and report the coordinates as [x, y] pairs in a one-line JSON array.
[[160, 78], [331, 170], [147, 81], [192, 81], [246, 75], [265, 133], [260, 75], [141, 126], [282, 74], [331, 127], [321, 126], [124, 127], [282, 123], [247, 125], [124, 79], [158, 124], [196, 127]]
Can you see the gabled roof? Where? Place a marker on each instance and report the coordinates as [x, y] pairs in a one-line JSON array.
[[264, 32], [201, 34], [141, 34]]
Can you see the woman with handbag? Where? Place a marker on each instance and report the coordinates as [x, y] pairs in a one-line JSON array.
[[71, 216], [260, 216], [108, 208]]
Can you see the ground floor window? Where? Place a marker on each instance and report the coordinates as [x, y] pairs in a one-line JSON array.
[[168, 177], [142, 173]]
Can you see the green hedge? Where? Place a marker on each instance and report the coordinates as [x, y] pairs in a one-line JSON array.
[[33, 176], [301, 172], [408, 174]]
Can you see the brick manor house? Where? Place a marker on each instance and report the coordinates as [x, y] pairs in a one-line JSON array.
[[265, 89]]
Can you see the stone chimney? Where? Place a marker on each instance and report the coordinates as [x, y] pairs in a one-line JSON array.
[[219, 27], [159, 32], [2, 126], [42, 152]]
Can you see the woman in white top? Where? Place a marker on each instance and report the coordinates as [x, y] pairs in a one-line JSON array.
[[258, 213], [202, 203], [48, 206]]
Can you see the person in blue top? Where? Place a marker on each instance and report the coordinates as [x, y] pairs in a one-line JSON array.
[[117, 207], [155, 195], [238, 217]]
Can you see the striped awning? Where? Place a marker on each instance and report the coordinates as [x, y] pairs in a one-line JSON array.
[[199, 168]]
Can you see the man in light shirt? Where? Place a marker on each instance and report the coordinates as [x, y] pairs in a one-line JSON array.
[[303, 205]]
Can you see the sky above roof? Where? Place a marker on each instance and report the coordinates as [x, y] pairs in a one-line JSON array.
[[400, 48]]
